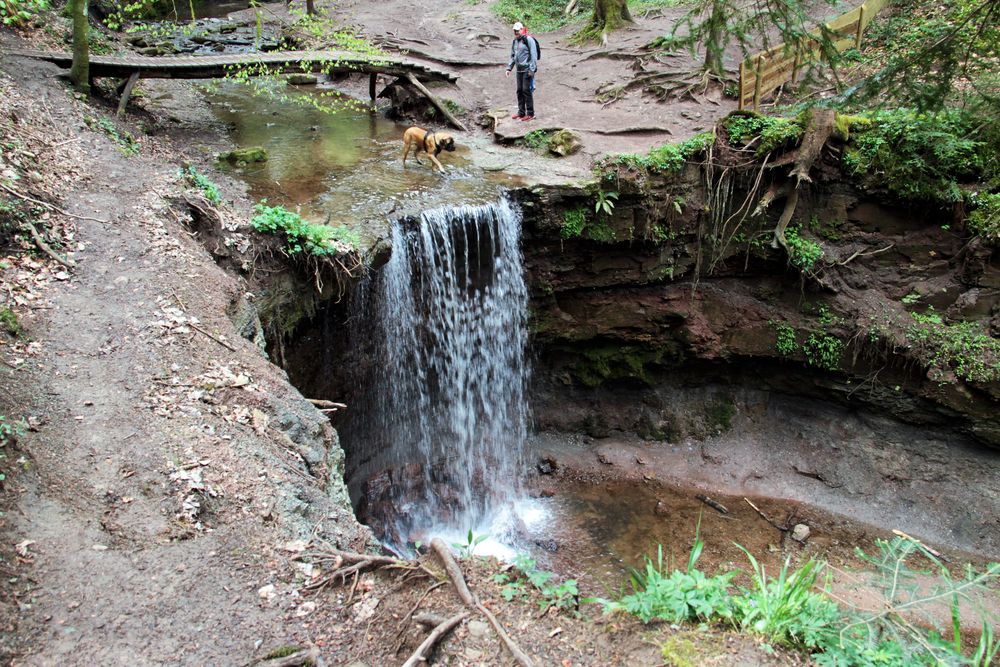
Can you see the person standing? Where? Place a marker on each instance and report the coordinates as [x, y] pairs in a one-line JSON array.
[[524, 60]]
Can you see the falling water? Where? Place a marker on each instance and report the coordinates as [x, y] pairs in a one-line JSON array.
[[446, 418]]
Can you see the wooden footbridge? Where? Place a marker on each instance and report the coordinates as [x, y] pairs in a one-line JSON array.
[[135, 67]]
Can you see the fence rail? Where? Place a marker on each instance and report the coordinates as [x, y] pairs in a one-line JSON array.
[[765, 72]]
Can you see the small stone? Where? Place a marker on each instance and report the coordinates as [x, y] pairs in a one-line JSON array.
[[800, 532], [266, 592], [478, 629], [546, 466]]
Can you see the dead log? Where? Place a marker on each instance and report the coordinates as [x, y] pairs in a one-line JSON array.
[[433, 100]]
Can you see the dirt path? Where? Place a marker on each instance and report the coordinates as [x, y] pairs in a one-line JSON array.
[[162, 470], [567, 79]]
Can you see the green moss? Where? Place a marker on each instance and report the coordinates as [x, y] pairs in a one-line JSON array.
[[245, 155], [601, 232], [666, 158], [720, 414], [679, 651], [609, 361], [771, 132], [282, 652], [844, 123], [9, 322]]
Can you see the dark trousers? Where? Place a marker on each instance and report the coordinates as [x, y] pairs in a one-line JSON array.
[[525, 98]]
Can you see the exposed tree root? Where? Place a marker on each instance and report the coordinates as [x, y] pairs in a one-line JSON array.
[[455, 574], [309, 656], [443, 628], [44, 247]]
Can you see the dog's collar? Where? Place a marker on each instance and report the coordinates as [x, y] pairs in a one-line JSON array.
[[427, 133]]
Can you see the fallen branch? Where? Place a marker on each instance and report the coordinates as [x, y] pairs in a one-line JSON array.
[[420, 655], [213, 337], [321, 403], [717, 506], [765, 517], [865, 254], [49, 206], [44, 247], [433, 100], [455, 574]]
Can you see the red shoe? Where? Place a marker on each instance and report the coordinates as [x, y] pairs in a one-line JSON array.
[[527, 118], [518, 116]]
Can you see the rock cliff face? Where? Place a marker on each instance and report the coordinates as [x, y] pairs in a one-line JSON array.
[[678, 285]]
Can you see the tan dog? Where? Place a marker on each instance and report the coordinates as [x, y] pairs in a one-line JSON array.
[[431, 143]]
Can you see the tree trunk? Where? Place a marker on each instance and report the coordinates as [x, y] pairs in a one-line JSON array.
[[311, 7], [715, 42], [610, 14], [79, 73]]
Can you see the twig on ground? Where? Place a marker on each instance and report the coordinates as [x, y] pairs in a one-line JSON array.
[[213, 337], [420, 655], [309, 656], [717, 506], [49, 206], [455, 574], [44, 247], [765, 517]]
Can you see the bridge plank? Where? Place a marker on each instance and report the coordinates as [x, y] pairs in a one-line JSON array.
[[212, 67]]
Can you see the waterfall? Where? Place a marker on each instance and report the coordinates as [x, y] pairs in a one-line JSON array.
[[446, 414]]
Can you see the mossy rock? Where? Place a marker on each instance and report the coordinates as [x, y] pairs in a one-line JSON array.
[[844, 122], [302, 79], [565, 142], [245, 155]]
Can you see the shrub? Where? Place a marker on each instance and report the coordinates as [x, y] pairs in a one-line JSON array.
[[198, 180], [823, 350], [985, 219], [301, 236], [802, 252], [16, 12], [561, 595], [920, 157], [966, 348]]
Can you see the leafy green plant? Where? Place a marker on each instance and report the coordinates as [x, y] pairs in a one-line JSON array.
[[823, 350], [605, 202], [665, 158], [466, 549], [574, 222], [301, 236], [911, 298], [562, 595], [676, 595], [126, 142], [200, 181], [16, 12], [537, 139], [802, 252], [785, 343], [965, 348], [10, 430], [984, 221]]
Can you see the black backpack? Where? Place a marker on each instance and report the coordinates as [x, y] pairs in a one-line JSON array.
[[538, 47]]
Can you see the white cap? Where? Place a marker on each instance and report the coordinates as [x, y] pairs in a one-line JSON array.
[[518, 26]]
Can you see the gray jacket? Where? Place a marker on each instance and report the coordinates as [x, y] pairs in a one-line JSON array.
[[523, 55]]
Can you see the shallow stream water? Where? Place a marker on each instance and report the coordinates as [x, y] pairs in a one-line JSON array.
[[343, 168]]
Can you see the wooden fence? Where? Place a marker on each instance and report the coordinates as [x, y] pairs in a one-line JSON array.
[[765, 72]]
